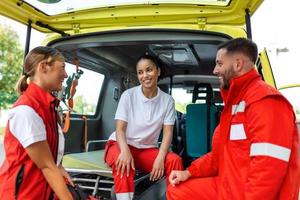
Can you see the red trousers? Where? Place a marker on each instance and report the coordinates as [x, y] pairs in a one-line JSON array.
[[143, 161], [194, 189]]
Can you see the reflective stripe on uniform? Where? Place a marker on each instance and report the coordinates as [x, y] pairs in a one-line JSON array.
[[272, 150], [238, 108], [237, 132], [124, 196]]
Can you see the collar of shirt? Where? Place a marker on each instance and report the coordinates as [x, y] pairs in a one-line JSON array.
[[145, 99], [238, 86]]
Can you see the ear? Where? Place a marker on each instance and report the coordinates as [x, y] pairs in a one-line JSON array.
[[239, 65], [42, 67], [158, 71]]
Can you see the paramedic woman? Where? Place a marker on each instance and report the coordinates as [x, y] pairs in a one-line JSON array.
[[141, 114], [33, 140]]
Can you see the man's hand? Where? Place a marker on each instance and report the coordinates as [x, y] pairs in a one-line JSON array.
[[157, 169], [178, 176], [124, 162]]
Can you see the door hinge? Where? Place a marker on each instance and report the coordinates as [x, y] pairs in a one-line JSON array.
[[201, 23], [76, 28]]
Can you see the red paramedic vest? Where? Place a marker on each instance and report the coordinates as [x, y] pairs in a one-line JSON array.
[[20, 178]]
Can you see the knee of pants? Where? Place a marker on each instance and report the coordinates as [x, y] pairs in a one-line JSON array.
[[194, 189], [172, 193], [174, 161]]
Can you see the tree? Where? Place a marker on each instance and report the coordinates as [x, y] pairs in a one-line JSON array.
[[11, 59], [81, 106]]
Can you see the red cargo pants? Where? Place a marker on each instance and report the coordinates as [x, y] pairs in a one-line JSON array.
[[143, 161]]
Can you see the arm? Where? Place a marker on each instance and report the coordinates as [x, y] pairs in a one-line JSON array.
[[158, 165], [166, 141], [271, 122], [40, 154], [65, 175], [168, 124], [204, 166], [125, 160]]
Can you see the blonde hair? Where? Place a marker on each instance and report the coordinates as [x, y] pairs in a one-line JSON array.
[[32, 59]]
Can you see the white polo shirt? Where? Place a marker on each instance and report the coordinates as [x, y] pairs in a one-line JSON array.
[[28, 127], [145, 117]]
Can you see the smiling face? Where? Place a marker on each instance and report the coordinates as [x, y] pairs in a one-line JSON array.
[[55, 76], [147, 73], [224, 68]]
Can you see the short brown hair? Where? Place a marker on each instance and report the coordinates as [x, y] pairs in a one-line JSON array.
[[241, 45], [32, 59]]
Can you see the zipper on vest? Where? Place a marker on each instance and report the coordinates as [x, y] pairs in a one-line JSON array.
[[54, 127], [45, 193], [19, 180]]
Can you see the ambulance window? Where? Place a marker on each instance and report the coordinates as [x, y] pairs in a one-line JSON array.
[[182, 98], [87, 91]]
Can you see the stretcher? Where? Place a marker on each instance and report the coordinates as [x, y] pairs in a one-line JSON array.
[[91, 173]]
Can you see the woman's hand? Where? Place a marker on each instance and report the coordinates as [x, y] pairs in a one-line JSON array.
[[40, 154], [66, 175], [124, 162], [158, 168]]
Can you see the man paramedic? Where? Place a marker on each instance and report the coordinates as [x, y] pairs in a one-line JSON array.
[[255, 147]]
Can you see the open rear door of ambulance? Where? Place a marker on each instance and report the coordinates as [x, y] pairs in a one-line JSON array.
[[290, 91], [264, 68]]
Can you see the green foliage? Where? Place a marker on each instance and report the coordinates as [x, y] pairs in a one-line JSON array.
[[81, 106], [11, 58], [181, 107]]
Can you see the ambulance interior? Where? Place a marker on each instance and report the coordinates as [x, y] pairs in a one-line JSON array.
[[106, 67]]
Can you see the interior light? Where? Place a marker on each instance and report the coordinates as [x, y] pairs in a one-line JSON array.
[[49, 1]]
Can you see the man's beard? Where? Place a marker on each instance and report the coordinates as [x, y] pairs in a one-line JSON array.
[[228, 75]]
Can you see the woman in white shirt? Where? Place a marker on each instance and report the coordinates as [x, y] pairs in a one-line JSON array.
[[141, 114]]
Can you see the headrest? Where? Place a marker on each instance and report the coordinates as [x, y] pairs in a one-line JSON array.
[[200, 89]]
